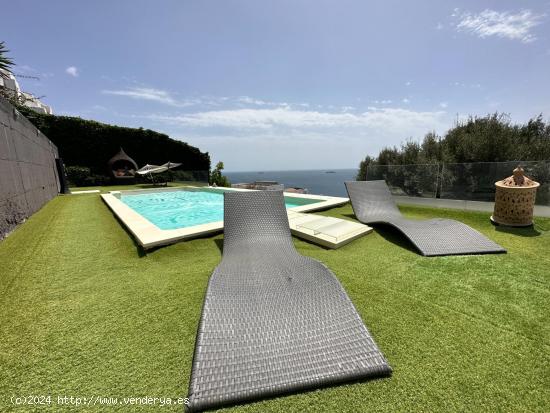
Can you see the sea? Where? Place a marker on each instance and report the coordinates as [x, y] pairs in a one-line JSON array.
[[319, 182]]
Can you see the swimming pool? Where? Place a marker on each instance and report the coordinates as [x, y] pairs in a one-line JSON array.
[[163, 216], [187, 208]]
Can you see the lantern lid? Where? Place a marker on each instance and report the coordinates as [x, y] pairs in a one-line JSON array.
[[518, 180]]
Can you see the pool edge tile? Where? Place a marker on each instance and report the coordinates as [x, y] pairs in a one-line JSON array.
[[149, 235]]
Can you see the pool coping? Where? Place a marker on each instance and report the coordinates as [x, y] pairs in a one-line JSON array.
[[149, 235]]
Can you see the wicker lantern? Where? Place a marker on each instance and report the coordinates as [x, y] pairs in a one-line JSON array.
[[515, 200]]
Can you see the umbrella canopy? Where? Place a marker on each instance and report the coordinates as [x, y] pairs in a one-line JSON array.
[[171, 165], [147, 169], [155, 169]]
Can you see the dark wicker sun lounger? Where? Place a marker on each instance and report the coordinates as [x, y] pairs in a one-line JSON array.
[[273, 321], [373, 203]]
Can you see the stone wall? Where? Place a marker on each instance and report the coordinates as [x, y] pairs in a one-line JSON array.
[[28, 174]]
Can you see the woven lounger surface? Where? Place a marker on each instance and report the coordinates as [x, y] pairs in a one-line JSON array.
[[373, 203], [273, 321]]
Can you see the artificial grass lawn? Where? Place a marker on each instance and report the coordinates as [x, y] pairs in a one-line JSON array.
[[84, 313]]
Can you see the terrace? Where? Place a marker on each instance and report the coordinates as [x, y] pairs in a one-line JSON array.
[[275, 206], [87, 313]]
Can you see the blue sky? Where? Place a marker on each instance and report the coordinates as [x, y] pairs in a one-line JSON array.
[[266, 85]]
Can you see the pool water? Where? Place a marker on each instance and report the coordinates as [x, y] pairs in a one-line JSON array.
[[184, 208]]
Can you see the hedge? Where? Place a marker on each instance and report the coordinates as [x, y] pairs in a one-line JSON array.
[[90, 144]]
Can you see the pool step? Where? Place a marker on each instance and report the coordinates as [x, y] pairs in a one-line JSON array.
[[326, 231]]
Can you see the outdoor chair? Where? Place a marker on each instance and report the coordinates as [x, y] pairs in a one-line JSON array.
[[373, 203], [273, 321]]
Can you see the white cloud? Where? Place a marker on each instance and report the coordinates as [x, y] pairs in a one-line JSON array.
[[466, 85], [31, 72], [251, 101], [72, 71], [283, 119], [439, 26], [167, 98], [443, 105], [508, 25], [204, 101], [279, 138], [405, 100], [408, 83], [347, 108], [151, 94]]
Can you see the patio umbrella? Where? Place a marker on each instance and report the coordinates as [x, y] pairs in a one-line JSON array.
[[149, 169], [170, 165], [155, 169]]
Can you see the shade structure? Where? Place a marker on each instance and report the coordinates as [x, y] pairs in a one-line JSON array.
[[155, 169], [121, 166]]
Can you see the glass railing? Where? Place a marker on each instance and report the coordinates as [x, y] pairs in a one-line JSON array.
[[476, 181], [410, 180], [465, 181], [196, 178]]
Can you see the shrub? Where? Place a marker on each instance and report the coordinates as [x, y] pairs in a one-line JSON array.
[[492, 138], [77, 175], [82, 176], [217, 178]]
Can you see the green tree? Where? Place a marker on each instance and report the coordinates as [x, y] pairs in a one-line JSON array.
[[535, 138], [362, 173], [473, 145], [5, 62], [410, 153], [491, 138], [389, 156], [431, 150], [482, 139], [216, 177]]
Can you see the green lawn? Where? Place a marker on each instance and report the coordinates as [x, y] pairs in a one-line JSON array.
[[85, 313]]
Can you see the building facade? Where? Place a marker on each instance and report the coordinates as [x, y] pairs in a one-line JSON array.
[[11, 88]]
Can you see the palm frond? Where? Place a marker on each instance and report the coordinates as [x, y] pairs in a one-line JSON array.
[[5, 62]]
